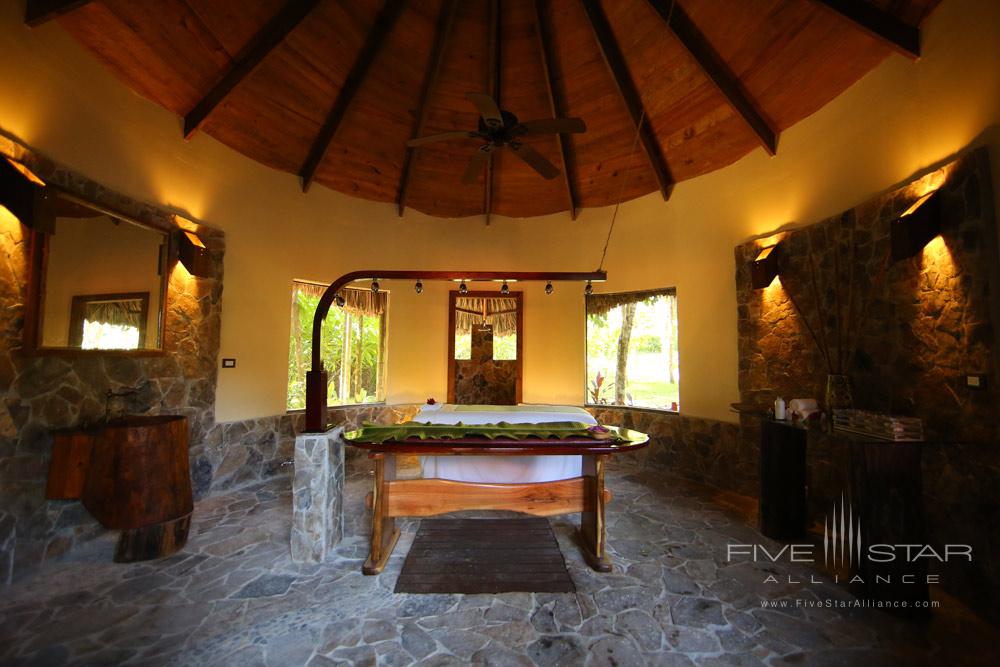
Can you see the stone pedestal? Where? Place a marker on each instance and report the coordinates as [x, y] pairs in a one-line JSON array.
[[317, 495]]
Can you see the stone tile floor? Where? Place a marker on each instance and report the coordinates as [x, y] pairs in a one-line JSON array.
[[233, 597]]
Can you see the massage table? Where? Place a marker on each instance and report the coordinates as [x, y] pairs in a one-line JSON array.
[[539, 460]]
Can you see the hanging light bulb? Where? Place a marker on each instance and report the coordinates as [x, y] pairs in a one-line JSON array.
[[339, 300], [419, 287], [504, 289], [548, 287], [589, 289], [463, 289], [374, 286]]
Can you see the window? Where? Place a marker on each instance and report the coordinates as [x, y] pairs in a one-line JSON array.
[[632, 349], [353, 345]]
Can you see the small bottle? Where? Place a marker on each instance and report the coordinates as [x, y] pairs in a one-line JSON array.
[[779, 409]]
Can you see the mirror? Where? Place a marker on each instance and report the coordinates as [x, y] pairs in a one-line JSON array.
[[102, 282]]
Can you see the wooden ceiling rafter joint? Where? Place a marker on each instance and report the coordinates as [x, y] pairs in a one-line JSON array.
[[446, 19], [493, 90], [557, 106], [617, 67], [37, 12], [878, 23], [785, 59], [716, 69], [246, 61], [373, 43]]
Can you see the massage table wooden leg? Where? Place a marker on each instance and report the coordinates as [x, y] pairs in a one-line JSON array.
[[384, 531], [592, 516]]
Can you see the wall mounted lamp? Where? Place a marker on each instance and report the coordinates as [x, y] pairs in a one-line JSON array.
[[765, 267], [193, 254], [26, 196], [915, 228]]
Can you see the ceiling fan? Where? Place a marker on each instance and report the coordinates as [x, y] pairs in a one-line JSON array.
[[500, 129]]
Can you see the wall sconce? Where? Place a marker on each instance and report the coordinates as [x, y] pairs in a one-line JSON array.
[[193, 254], [765, 267], [914, 229], [26, 196]]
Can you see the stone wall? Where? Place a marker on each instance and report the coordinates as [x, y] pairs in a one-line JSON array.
[[925, 322], [481, 380], [44, 392], [931, 320], [705, 450]]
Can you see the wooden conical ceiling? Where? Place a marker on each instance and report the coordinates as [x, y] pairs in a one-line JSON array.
[[332, 90]]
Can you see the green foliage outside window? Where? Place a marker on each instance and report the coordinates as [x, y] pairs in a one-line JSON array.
[[351, 350], [632, 354]]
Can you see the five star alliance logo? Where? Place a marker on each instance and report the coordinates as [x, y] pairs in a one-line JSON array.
[[842, 533]]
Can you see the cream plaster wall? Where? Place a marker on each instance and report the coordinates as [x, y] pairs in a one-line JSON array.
[[900, 119]]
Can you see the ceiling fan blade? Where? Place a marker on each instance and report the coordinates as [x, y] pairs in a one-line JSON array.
[[444, 136], [535, 160], [488, 108], [476, 165], [553, 125]]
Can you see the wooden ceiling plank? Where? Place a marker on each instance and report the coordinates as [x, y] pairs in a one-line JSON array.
[[270, 36], [384, 23], [37, 12], [629, 94], [446, 19], [493, 85], [880, 24], [556, 105], [716, 70]]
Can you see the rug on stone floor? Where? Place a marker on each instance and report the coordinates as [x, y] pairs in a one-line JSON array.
[[484, 556]]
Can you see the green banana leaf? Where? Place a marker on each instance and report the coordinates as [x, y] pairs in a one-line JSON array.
[[379, 433]]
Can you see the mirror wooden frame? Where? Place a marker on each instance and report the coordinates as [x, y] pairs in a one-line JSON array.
[[38, 252]]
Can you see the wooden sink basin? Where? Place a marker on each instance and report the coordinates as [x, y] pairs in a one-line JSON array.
[[132, 474]]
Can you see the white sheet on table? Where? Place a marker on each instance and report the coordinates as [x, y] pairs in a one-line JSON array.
[[502, 469]]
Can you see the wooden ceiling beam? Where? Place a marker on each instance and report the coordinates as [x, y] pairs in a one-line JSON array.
[[880, 24], [446, 18], [493, 85], [37, 12], [556, 105], [247, 60], [626, 87], [383, 25], [716, 70]]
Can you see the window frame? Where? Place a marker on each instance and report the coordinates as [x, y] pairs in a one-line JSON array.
[[518, 296], [665, 291], [382, 370]]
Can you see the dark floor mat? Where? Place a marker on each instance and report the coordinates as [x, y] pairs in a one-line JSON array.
[[484, 556]]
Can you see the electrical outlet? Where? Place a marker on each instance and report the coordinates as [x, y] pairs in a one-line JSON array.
[[975, 381], [229, 363]]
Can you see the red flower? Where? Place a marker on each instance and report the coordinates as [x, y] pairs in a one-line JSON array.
[[431, 401]]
